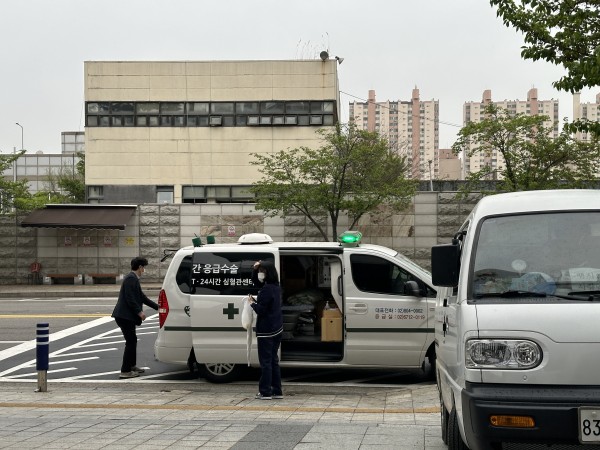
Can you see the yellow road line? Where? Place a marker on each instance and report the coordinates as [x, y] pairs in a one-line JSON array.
[[52, 316], [425, 410]]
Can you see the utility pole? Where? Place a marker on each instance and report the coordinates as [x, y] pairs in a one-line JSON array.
[[430, 176], [14, 151]]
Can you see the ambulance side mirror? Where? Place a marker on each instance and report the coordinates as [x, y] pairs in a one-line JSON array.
[[412, 288]]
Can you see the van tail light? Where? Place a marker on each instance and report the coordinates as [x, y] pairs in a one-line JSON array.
[[163, 308]]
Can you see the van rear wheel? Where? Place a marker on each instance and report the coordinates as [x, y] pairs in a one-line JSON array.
[[220, 372]]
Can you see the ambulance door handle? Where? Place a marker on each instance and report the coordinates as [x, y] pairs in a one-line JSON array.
[[357, 308]]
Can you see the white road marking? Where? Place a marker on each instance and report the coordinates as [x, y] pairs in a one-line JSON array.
[[54, 362], [64, 299], [102, 343], [85, 353], [32, 374], [30, 345]]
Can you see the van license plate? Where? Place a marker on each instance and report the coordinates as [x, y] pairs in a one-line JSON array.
[[589, 424]]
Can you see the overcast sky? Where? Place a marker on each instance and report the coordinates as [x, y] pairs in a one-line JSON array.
[[452, 50]]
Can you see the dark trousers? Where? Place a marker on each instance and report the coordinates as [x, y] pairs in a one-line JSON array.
[[129, 355], [270, 377]]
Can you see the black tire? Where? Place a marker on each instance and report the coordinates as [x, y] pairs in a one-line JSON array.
[[429, 365], [444, 421], [220, 372], [455, 441]]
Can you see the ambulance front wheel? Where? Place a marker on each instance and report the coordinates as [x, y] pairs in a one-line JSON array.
[[220, 372]]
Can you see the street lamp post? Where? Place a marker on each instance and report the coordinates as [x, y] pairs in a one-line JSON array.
[[430, 177], [17, 123], [15, 161]]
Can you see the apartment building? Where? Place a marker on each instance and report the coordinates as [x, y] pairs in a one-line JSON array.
[[474, 112], [185, 132], [411, 127], [589, 111]]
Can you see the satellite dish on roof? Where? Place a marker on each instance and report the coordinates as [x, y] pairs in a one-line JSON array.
[[324, 55]]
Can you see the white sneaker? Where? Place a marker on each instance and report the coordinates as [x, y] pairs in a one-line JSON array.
[[259, 396]]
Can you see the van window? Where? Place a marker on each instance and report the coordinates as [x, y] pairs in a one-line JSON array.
[[374, 274], [225, 273], [182, 277]]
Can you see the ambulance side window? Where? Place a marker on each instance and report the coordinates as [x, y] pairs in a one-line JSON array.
[[225, 273], [374, 274], [182, 278]]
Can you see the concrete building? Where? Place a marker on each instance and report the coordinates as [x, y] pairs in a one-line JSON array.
[[474, 112], [588, 111], [185, 132], [412, 128], [36, 167], [449, 165]]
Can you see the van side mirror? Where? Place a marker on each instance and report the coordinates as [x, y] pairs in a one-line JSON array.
[[445, 264], [412, 288]]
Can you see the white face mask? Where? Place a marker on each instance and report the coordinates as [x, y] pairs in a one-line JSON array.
[[261, 277]]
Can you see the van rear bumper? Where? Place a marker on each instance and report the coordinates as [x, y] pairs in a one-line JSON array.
[[171, 355], [554, 409]]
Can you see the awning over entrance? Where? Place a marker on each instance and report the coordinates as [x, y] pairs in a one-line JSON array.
[[80, 216]]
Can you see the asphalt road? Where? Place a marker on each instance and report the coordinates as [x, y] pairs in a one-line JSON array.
[[87, 345]]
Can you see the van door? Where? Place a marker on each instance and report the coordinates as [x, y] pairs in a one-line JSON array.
[[384, 326], [221, 279]]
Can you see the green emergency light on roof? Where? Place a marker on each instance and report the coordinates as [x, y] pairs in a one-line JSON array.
[[350, 237]]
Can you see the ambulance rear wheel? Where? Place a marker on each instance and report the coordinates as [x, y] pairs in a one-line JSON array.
[[220, 372]]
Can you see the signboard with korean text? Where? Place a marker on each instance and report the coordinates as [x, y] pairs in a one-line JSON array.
[[224, 273]]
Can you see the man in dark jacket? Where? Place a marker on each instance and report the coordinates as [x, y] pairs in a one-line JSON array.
[[129, 312]]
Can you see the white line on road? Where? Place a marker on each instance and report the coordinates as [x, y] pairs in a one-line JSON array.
[[85, 353], [30, 345], [32, 374]]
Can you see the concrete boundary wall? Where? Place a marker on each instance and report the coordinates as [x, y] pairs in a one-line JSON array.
[[431, 218]]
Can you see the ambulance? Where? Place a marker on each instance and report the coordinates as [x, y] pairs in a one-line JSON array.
[[517, 326], [345, 304]]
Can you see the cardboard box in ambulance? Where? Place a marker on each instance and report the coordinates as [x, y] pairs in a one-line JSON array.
[[345, 304], [517, 328]]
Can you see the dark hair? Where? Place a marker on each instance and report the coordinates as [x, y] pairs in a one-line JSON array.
[[137, 262], [271, 275]]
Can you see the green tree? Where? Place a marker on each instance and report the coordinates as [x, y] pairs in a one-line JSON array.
[[354, 172], [532, 158], [67, 184], [13, 194], [562, 32]]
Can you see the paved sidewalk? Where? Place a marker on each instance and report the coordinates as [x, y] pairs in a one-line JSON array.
[[130, 414]]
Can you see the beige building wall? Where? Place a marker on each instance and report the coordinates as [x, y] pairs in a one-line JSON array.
[[474, 112], [197, 155]]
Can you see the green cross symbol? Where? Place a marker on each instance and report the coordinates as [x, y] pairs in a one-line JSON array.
[[231, 311]]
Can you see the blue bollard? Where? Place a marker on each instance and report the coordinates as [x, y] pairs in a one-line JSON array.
[[41, 352]]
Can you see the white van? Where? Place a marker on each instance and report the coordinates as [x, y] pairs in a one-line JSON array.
[[344, 304], [517, 329]]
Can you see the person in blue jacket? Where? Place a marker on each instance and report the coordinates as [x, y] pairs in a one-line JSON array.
[[129, 312], [269, 328]]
